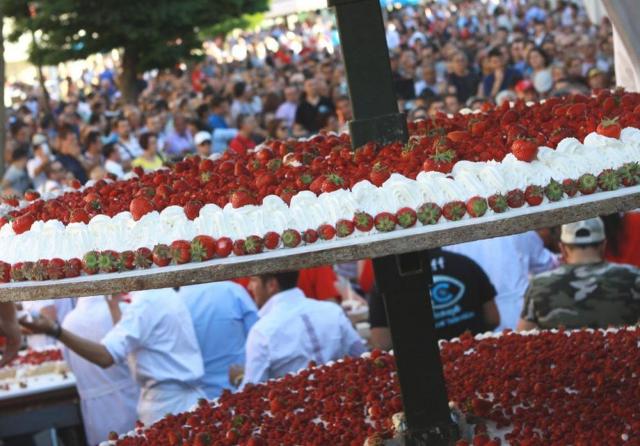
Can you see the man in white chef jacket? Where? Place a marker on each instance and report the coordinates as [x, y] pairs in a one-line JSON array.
[[156, 333], [109, 391], [294, 330]]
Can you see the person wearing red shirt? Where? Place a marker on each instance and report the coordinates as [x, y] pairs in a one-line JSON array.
[[319, 283], [243, 140], [623, 238]]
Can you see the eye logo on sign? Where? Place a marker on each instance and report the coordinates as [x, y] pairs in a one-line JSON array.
[[446, 291]]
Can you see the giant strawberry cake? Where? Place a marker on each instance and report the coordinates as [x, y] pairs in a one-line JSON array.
[[289, 193], [530, 389], [33, 369]]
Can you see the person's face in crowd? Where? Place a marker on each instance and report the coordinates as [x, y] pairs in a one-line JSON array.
[[539, 28], [153, 124], [501, 36], [282, 131], [496, 63], [575, 68], [311, 88], [343, 110], [57, 172], [536, 61], [557, 73], [451, 104], [291, 94], [124, 129], [588, 50], [69, 145], [152, 146], [23, 135], [517, 51], [429, 74], [435, 107], [408, 60], [95, 147], [262, 290], [180, 124], [249, 125], [133, 117], [598, 81], [323, 87], [204, 149], [459, 64]]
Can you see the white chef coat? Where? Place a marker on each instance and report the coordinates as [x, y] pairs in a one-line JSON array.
[[293, 330], [108, 397], [222, 315], [508, 261], [156, 330]]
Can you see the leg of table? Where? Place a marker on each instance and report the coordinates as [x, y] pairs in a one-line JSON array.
[[404, 283]]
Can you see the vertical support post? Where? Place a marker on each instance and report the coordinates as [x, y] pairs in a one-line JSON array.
[[403, 279], [366, 61], [3, 118]]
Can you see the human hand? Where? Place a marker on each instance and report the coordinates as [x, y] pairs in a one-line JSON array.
[[236, 375], [38, 324]]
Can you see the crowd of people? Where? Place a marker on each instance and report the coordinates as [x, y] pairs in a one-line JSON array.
[[288, 80], [148, 353]]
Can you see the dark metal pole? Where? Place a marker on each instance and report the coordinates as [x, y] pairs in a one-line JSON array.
[[366, 60], [404, 280], [3, 117]]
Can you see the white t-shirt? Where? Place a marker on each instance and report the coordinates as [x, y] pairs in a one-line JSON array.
[[32, 165]]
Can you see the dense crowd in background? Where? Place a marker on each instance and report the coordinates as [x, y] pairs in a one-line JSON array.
[[289, 81]]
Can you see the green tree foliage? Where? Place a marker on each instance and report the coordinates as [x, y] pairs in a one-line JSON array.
[[150, 33]]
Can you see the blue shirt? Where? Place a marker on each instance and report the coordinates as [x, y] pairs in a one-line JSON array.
[[217, 122], [222, 314]]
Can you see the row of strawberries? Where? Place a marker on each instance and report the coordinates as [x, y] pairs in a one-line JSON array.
[[517, 381], [327, 162], [204, 248]]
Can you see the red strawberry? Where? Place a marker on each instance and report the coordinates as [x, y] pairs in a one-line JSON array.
[[23, 223], [534, 195], [140, 207], [331, 183], [406, 217], [180, 252], [203, 248], [524, 149], [316, 185], [627, 173], [515, 198], [253, 244], [31, 195], [192, 209], [90, 262], [291, 238], [587, 184], [241, 198], [271, 240], [72, 268], [127, 261], [477, 206], [161, 254], [108, 261], [442, 161], [224, 245], [11, 201], [5, 272], [39, 271], [344, 228], [75, 184], [454, 210], [143, 258], [238, 247], [326, 232], [429, 213], [608, 180], [363, 222], [570, 187], [79, 215], [554, 191], [610, 128], [310, 236], [385, 222], [55, 269], [379, 174], [17, 272]]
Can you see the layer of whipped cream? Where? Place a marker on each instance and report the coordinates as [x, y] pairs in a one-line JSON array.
[[570, 159]]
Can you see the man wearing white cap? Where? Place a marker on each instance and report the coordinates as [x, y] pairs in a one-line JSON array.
[[585, 292], [202, 140]]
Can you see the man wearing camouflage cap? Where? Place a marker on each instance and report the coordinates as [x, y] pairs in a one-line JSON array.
[[587, 291]]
